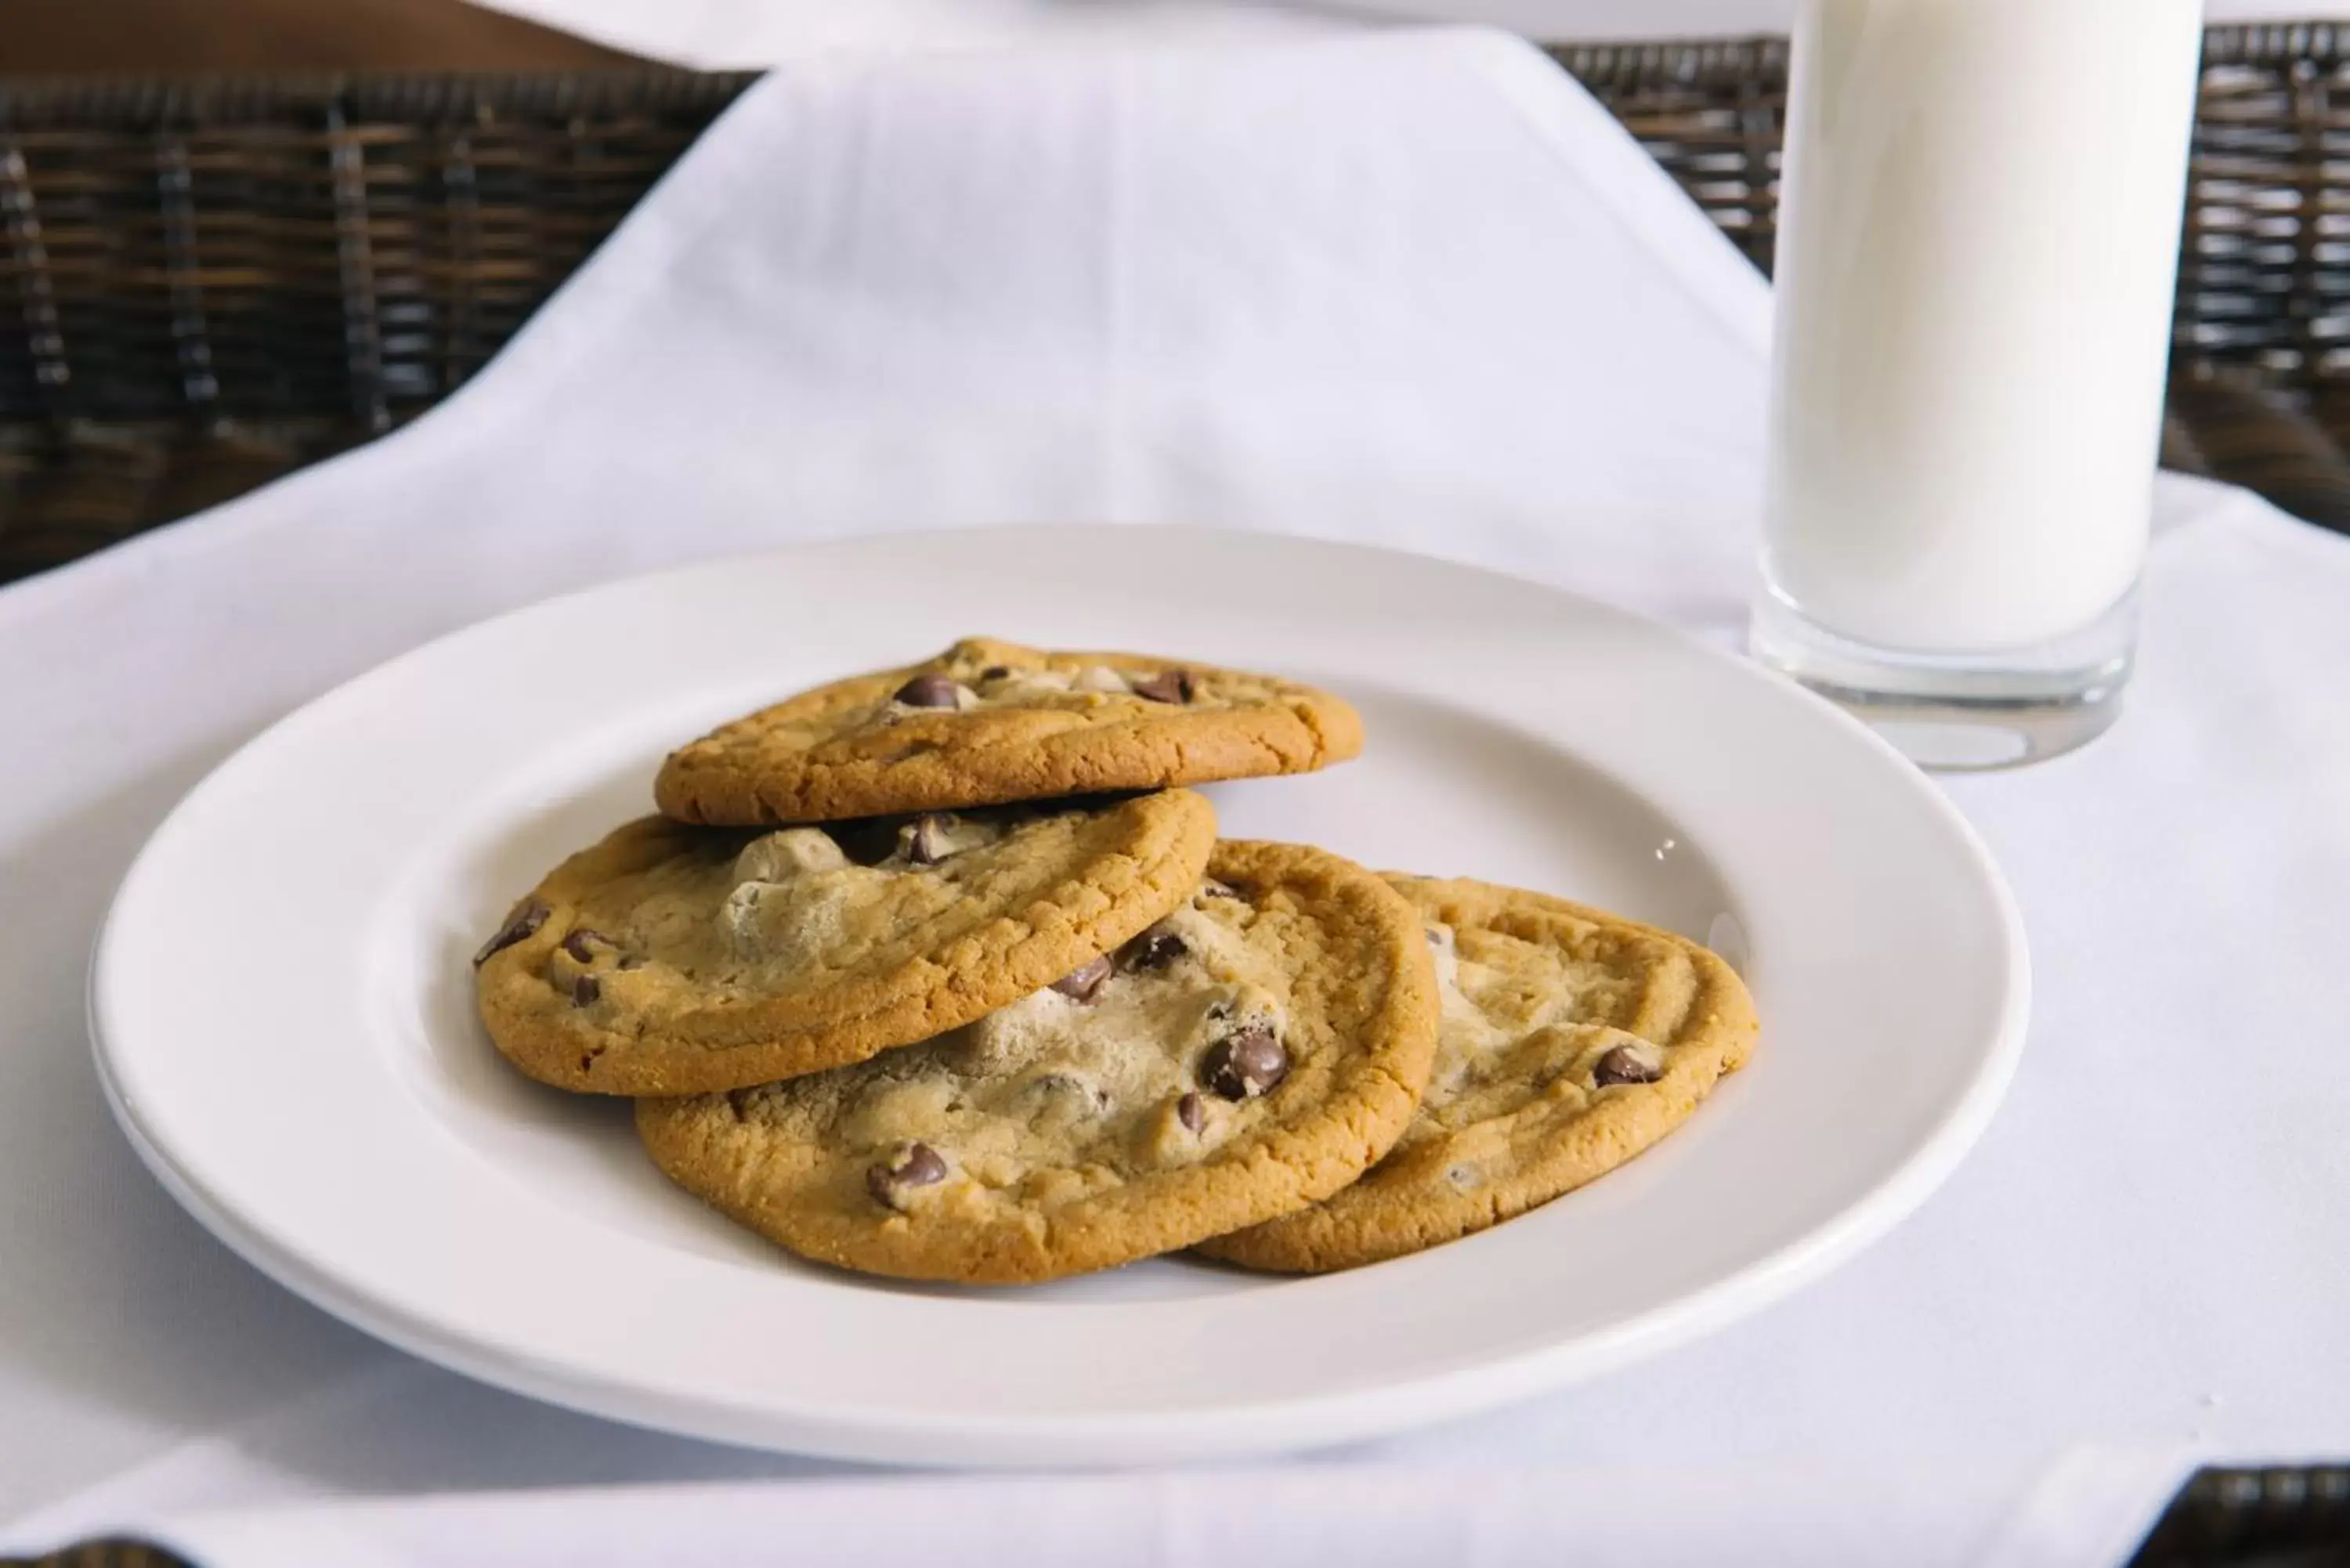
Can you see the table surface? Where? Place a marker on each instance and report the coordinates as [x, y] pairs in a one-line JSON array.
[[752, 32], [2141, 1250], [132, 36]]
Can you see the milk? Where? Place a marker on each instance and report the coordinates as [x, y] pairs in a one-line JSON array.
[[1975, 274]]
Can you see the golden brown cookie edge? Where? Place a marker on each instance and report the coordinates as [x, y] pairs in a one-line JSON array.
[[1174, 833], [1372, 1222], [705, 782]]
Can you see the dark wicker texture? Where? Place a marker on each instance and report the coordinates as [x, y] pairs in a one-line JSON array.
[[205, 284]]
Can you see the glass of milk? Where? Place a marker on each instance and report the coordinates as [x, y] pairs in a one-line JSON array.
[[1979, 239]]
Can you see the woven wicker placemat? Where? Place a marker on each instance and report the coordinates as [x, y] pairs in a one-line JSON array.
[[208, 283], [212, 282]]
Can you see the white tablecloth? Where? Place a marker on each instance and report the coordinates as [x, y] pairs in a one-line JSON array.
[[1413, 290]]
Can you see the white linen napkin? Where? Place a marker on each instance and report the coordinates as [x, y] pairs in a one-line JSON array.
[[1414, 290], [2091, 1507]]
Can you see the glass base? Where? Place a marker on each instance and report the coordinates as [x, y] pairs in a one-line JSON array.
[[1962, 712]]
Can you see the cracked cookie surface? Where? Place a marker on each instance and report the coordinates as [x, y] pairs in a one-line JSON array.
[[1572, 1041], [1253, 1052], [990, 722], [671, 959]]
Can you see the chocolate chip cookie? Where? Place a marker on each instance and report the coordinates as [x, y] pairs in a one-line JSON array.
[[990, 722], [1250, 1053], [1572, 1041], [670, 960]]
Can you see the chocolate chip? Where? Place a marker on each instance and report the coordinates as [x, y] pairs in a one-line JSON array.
[[1192, 1112], [926, 840], [916, 1165], [527, 917], [1081, 982], [1167, 686], [576, 944], [586, 990], [1153, 950], [1625, 1064], [1246, 1063], [995, 672], [932, 690]]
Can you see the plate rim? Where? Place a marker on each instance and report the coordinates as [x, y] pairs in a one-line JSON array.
[[1117, 1437]]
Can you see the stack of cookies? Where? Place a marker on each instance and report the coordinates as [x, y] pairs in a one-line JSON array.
[[940, 972]]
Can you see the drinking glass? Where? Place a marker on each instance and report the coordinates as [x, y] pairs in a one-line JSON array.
[[1977, 258]]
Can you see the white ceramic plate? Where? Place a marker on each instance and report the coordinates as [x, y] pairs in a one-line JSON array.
[[282, 1008]]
